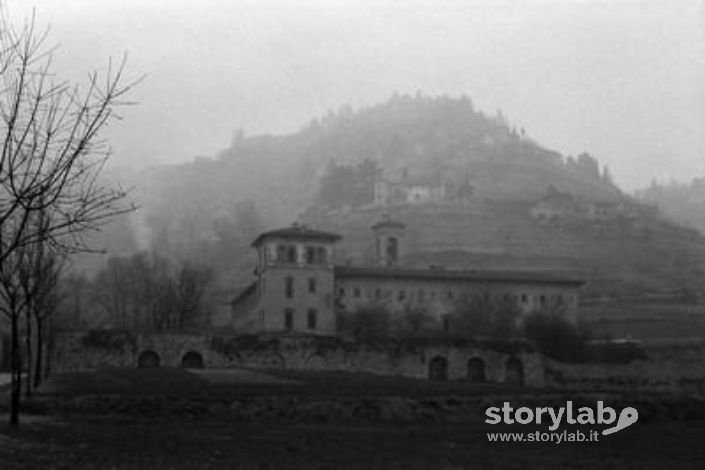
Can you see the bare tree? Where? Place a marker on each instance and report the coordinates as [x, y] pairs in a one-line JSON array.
[[148, 292], [51, 157], [38, 276]]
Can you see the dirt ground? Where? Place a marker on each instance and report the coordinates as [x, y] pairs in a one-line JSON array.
[[157, 426]]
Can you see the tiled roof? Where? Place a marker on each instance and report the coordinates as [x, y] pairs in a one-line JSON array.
[[297, 231], [513, 276]]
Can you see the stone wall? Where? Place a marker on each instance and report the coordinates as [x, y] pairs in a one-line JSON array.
[[90, 350]]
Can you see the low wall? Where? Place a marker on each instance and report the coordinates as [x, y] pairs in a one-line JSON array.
[[428, 359]]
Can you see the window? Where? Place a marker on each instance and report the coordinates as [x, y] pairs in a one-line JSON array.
[[311, 318], [378, 293], [289, 319], [356, 292], [392, 250], [450, 294], [291, 254], [312, 285], [401, 295], [321, 255], [542, 299], [523, 298], [310, 254], [289, 287], [421, 295], [446, 323], [281, 253]]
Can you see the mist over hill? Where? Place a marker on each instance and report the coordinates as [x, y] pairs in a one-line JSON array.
[[474, 189], [683, 203], [419, 136]]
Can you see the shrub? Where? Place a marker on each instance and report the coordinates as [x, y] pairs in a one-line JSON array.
[[414, 322], [109, 340], [371, 321], [485, 315], [556, 337]]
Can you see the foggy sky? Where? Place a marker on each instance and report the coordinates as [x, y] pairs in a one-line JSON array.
[[623, 80]]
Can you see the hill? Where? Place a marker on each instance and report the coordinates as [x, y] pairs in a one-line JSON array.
[[473, 189]]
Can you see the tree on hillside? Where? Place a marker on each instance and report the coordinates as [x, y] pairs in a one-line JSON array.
[[351, 185], [51, 157]]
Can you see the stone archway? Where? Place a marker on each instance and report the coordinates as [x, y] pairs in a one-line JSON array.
[[148, 360], [476, 370], [438, 369], [192, 360], [514, 372]]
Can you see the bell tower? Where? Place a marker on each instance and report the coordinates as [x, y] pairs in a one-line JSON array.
[[389, 236]]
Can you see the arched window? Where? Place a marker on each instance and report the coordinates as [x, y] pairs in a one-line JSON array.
[[392, 250], [291, 254], [438, 369]]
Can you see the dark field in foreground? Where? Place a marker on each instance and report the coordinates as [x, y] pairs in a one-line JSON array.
[[174, 419], [91, 442]]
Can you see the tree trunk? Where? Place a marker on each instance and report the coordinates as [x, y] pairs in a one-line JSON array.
[[16, 374], [49, 346], [28, 347], [40, 352]]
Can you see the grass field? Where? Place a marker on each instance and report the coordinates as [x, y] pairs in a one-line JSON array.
[[175, 419]]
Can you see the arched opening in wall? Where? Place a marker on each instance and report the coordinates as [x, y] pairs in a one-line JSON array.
[[148, 360], [476, 370], [438, 368], [315, 362], [233, 359], [514, 372], [273, 361], [192, 360]]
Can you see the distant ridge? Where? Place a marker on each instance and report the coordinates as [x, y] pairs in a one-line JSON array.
[[464, 182]]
